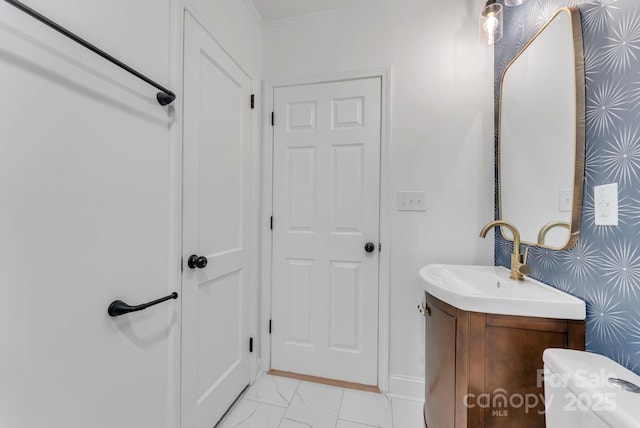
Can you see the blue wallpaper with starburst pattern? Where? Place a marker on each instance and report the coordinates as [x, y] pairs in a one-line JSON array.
[[604, 266]]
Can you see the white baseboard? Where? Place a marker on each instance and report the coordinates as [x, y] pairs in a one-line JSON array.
[[406, 387]]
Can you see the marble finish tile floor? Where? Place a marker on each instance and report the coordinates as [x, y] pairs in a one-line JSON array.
[[278, 402]]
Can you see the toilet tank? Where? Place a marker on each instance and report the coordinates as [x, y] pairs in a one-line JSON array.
[[580, 391]]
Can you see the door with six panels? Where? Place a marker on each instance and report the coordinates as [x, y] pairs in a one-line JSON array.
[[326, 219]]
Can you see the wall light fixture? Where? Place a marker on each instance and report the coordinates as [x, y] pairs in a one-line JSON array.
[[491, 22]]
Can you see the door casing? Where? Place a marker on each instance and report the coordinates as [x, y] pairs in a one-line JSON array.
[[267, 210]]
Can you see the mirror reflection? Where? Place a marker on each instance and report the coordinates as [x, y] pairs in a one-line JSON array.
[[541, 135]]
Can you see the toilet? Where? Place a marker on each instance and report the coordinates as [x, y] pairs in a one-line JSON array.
[[588, 390]]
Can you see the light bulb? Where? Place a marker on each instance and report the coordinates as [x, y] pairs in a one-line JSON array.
[[490, 26], [491, 23]]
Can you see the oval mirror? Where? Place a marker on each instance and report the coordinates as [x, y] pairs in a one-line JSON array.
[[541, 135]]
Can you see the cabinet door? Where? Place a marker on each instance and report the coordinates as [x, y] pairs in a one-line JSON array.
[[440, 359], [514, 358]]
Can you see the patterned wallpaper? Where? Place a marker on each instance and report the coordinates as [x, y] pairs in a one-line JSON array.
[[604, 266]]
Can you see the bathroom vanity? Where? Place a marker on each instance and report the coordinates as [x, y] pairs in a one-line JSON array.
[[482, 369], [485, 335], [486, 327]]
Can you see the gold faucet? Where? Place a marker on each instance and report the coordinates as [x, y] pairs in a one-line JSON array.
[[547, 227], [518, 263]]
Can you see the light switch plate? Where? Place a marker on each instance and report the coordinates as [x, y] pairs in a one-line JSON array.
[[565, 200], [605, 200], [412, 200]]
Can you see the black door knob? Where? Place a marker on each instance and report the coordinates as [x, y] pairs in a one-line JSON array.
[[195, 261], [369, 247]]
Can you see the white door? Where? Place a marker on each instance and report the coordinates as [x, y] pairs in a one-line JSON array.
[[326, 209], [216, 208]]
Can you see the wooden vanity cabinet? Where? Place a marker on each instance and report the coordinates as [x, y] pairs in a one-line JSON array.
[[482, 369]]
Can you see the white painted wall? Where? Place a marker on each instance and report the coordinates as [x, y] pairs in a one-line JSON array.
[[84, 188], [89, 189], [441, 137], [236, 29]]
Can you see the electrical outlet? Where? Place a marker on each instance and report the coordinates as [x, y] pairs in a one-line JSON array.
[[605, 199], [412, 201]]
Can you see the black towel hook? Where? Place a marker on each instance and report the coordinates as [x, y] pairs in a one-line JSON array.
[[118, 307]]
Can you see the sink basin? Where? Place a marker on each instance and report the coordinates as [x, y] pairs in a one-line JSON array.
[[489, 289]]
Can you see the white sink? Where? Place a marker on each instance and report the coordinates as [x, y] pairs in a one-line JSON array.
[[489, 289]]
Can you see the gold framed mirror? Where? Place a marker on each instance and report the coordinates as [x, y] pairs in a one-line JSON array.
[[541, 135]]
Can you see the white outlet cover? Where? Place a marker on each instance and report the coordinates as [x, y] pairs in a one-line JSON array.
[[605, 201]]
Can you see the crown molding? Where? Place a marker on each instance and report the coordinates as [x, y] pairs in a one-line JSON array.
[[300, 19], [254, 12]]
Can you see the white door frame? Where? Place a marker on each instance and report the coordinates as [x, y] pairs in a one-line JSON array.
[[176, 79], [176, 61], [267, 210]]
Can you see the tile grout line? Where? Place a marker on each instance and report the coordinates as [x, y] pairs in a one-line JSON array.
[[339, 409], [257, 401], [389, 400], [289, 404], [357, 423]]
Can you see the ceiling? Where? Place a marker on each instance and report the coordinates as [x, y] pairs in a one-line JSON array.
[[272, 10]]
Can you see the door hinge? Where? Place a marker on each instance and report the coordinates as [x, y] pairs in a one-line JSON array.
[[273, 119], [181, 264], [269, 326], [251, 344], [271, 223], [253, 101], [379, 246]]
